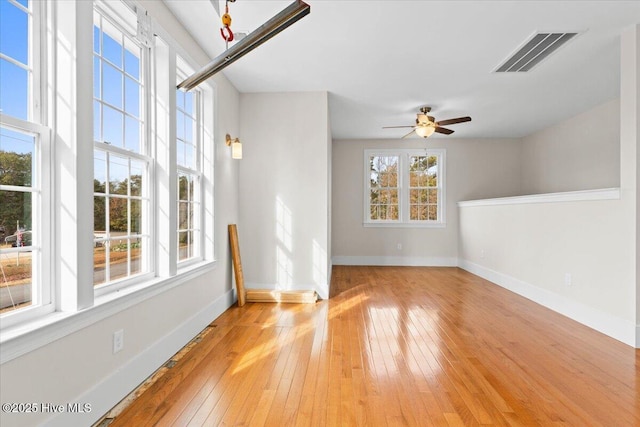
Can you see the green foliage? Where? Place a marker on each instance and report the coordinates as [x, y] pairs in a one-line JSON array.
[[15, 169]]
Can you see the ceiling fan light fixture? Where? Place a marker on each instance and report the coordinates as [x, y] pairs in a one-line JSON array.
[[425, 131]]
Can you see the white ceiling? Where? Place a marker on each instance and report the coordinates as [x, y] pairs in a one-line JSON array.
[[382, 60]]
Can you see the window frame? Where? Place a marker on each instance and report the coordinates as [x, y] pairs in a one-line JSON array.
[[145, 155], [197, 173], [31, 328], [404, 155], [42, 284]]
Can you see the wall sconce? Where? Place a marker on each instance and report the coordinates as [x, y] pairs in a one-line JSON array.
[[236, 147]]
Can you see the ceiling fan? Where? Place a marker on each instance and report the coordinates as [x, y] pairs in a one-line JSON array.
[[426, 125]]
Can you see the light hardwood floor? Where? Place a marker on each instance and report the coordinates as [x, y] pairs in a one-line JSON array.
[[397, 346]]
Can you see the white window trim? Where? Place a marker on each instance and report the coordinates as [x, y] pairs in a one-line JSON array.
[[199, 173], [122, 20], [44, 327], [403, 155]]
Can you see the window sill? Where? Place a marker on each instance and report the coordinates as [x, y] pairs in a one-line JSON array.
[[404, 224], [21, 339]]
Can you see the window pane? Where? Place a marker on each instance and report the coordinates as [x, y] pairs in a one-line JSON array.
[[188, 103], [119, 259], [99, 263], [113, 126], [112, 50], [432, 196], [180, 152], [132, 134], [189, 124], [97, 73], [15, 217], [17, 158], [180, 119], [99, 172], [137, 171], [433, 212], [183, 187], [14, 32], [185, 245], [136, 255], [118, 175], [188, 156], [132, 97], [132, 63], [14, 86], [17, 285], [183, 215], [136, 216], [96, 40], [99, 216], [180, 99], [112, 84], [118, 216]]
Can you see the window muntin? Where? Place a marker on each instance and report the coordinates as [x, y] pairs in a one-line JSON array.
[[121, 160], [404, 187], [189, 175]]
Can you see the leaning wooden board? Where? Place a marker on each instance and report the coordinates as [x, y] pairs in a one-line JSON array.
[[261, 295], [237, 263]]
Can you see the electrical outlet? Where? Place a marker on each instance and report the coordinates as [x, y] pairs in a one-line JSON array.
[[399, 246], [567, 279], [118, 341], [482, 253]]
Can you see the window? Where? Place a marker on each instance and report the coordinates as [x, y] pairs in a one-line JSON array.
[[189, 167], [127, 150], [24, 156], [404, 187], [121, 154]]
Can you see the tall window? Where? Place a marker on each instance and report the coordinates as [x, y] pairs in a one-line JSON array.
[[24, 153], [189, 167], [404, 187], [121, 154]]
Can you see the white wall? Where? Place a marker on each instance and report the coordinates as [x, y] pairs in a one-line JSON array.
[[580, 153], [474, 169], [531, 247], [79, 367], [284, 191]]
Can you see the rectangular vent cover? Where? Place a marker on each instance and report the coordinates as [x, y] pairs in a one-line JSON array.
[[535, 50]]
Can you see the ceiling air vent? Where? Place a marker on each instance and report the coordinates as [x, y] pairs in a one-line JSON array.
[[535, 50]]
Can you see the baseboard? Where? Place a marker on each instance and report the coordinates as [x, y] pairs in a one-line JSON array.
[[605, 323], [408, 261], [106, 394]]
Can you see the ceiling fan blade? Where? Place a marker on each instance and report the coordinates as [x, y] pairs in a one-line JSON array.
[[444, 130], [453, 121], [412, 131], [395, 127]]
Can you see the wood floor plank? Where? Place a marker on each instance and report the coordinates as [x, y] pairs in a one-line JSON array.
[[397, 346]]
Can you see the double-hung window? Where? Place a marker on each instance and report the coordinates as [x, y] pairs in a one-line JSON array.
[[404, 187], [189, 173], [122, 160], [25, 284]]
